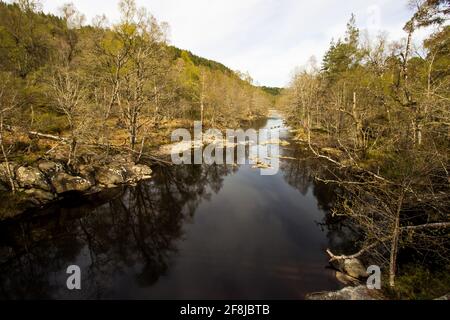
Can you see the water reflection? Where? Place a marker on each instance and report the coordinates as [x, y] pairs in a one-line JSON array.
[[192, 232]]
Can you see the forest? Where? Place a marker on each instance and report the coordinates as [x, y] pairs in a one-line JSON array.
[[70, 89], [377, 112]]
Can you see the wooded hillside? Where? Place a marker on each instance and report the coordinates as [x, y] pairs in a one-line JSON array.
[[112, 84]]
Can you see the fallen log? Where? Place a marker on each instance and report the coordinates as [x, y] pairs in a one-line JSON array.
[[437, 225], [48, 137]]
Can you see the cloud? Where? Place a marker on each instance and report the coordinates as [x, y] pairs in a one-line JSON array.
[[268, 38]]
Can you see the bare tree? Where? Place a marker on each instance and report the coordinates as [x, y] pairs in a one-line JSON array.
[[68, 94], [7, 105]]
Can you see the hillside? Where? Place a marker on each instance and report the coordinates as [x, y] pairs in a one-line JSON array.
[[120, 84]]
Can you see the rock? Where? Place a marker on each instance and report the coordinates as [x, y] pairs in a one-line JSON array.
[[348, 293], [352, 267], [140, 172], [40, 196], [87, 172], [261, 165], [50, 167], [110, 177], [63, 182], [32, 178], [346, 279]]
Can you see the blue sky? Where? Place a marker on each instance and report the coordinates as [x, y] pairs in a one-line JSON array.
[[267, 38]]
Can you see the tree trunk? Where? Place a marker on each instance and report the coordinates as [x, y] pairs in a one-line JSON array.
[[419, 135], [394, 244], [202, 100], [73, 151], [202, 110], [133, 130], [5, 156], [358, 125]]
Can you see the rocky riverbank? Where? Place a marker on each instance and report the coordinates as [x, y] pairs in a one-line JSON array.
[[349, 293], [48, 180], [352, 273]]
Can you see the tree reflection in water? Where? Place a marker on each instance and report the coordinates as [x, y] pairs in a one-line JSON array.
[[129, 230], [253, 236], [300, 174]]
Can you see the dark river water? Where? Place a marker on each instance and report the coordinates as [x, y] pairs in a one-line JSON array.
[[191, 232]]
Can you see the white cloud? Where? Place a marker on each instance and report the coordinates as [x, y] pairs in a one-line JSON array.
[[268, 38]]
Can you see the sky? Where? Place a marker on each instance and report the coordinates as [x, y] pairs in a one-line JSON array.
[[267, 38]]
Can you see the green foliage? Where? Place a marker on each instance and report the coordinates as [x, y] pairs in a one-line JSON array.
[[272, 90], [415, 282], [177, 53], [343, 55], [79, 81], [28, 39], [50, 122], [386, 108], [439, 50]]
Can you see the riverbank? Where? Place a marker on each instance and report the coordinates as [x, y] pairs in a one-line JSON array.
[[49, 180], [191, 232], [389, 215], [39, 180]]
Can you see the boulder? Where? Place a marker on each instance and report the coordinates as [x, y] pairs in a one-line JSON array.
[[40, 196], [110, 177], [352, 267], [346, 279], [87, 172], [63, 182], [140, 172], [50, 167], [348, 293], [32, 178]]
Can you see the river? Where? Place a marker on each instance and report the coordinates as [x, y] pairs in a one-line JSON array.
[[191, 232]]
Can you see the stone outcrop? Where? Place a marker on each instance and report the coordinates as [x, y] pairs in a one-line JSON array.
[[50, 167], [348, 293], [63, 182], [139, 172], [32, 178], [122, 173], [45, 181], [110, 177], [38, 196], [352, 267], [346, 279]]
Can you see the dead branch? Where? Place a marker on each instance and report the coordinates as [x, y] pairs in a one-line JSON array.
[[440, 225], [353, 256]]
